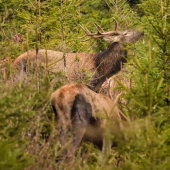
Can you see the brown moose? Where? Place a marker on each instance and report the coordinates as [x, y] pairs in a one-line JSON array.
[[76, 108], [102, 65]]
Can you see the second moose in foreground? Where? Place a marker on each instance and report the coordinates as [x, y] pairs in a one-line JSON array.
[[76, 108], [102, 65]]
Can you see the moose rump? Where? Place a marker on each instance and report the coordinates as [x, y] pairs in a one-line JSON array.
[[76, 107]]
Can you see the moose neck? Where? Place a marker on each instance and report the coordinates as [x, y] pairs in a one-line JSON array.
[[108, 63]]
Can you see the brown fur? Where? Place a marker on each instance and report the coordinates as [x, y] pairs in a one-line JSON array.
[[87, 124], [102, 65]]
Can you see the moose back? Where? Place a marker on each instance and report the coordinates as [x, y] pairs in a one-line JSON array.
[[101, 65]]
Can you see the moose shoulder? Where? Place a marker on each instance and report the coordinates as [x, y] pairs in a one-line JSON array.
[[76, 107], [102, 65]]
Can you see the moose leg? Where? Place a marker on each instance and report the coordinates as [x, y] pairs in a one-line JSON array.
[[63, 128], [81, 114]]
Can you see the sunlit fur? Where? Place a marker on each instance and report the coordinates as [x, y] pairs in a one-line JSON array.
[[77, 110]]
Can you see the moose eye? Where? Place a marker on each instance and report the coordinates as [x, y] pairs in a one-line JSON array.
[[125, 33]]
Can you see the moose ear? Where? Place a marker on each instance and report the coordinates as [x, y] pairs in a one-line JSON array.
[[112, 39]]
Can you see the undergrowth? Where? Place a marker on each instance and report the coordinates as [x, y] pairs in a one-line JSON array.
[[29, 138]]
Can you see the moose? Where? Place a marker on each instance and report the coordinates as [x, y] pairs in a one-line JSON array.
[[76, 109], [102, 65]]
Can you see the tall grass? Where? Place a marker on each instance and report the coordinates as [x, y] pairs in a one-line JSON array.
[[28, 135]]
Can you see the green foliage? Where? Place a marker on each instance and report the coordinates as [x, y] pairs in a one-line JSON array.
[[12, 156], [57, 22], [148, 99], [25, 121], [10, 50], [151, 66], [28, 138]]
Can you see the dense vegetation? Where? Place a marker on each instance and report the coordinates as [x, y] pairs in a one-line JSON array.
[[28, 138]]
